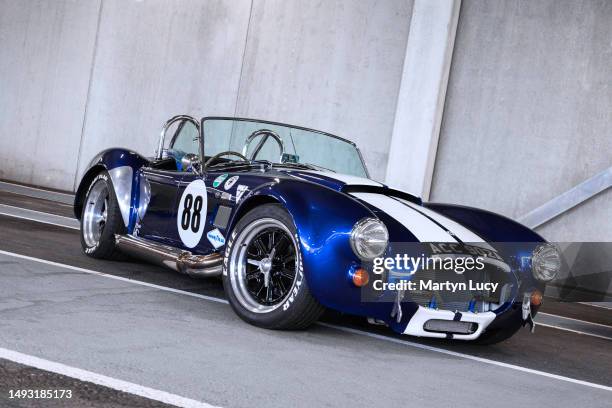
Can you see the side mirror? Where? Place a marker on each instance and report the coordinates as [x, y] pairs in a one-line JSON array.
[[191, 162]]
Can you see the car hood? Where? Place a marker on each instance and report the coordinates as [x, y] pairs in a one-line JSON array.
[[402, 209]]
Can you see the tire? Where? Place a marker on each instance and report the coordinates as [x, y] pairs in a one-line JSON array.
[[98, 237], [267, 235]]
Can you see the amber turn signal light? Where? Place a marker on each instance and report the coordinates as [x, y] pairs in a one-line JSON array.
[[536, 298], [360, 277]]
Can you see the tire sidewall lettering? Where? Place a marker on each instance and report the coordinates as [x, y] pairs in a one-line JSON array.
[[298, 280], [228, 251]]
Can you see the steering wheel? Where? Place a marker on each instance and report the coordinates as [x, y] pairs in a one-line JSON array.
[[266, 133], [227, 153]]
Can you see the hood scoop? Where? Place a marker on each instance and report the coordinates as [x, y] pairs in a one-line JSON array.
[[383, 190]]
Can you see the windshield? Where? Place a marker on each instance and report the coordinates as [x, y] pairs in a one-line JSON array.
[[299, 145]]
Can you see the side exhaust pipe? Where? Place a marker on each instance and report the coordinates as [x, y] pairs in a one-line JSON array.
[[173, 258]]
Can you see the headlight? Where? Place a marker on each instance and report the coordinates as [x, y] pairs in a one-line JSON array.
[[369, 238], [545, 262]]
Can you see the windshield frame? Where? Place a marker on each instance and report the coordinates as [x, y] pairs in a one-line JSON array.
[[268, 122]]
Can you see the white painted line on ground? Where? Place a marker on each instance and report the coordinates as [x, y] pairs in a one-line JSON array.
[[345, 329], [37, 220], [119, 278], [103, 380], [573, 330], [601, 305], [575, 320], [466, 356], [42, 213], [39, 216], [35, 192]]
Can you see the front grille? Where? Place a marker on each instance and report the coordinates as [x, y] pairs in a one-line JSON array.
[[460, 300]]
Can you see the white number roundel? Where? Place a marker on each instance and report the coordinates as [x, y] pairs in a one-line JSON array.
[[191, 213]]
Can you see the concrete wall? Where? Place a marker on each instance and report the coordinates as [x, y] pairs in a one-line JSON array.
[[157, 59], [528, 110], [331, 65], [46, 51], [526, 116], [77, 77]]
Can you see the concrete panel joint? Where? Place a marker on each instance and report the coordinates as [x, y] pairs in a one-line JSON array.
[[422, 93]]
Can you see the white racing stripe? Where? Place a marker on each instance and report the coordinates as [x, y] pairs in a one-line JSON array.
[[342, 328], [103, 380], [419, 225], [464, 234]]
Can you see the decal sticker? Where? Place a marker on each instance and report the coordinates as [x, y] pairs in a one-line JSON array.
[[240, 190], [219, 180], [216, 238], [230, 182], [191, 213]]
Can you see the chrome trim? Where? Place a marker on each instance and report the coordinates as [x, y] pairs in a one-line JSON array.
[[238, 261], [143, 198], [568, 200], [357, 228], [193, 162], [162, 136], [171, 257], [95, 213], [122, 184], [363, 163]]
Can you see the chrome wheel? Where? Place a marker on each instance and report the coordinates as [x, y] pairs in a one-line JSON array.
[[264, 265], [95, 213]]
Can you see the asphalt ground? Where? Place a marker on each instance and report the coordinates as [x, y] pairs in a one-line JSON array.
[[14, 376], [157, 329]]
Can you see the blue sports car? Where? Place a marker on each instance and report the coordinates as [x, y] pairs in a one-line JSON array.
[[289, 219]]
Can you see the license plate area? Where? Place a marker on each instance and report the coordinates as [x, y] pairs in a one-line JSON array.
[[450, 326]]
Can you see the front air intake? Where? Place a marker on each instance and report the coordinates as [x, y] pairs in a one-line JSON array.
[[450, 326]]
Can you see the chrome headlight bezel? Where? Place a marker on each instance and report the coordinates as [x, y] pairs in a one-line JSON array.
[[364, 244], [542, 254]]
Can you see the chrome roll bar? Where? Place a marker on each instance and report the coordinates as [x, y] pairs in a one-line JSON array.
[[265, 133], [160, 148]]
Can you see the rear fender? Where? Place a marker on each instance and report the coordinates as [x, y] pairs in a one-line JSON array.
[[122, 165]]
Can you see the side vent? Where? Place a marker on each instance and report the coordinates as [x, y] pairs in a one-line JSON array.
[[222, 217]]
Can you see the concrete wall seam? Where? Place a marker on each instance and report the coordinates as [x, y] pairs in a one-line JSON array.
[[422, 95], [91, 76]]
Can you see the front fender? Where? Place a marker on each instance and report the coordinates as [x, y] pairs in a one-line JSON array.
[[324, 219], [122, 165], [514, 240]]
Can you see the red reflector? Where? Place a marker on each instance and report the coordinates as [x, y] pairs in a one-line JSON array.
[[360, 277], [536, 298]]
